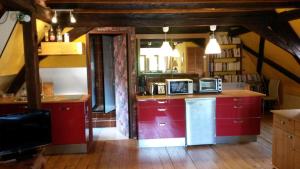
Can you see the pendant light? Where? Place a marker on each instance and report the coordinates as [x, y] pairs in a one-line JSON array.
[[212, 46], [54, 18], [72, 18], [166, 49]]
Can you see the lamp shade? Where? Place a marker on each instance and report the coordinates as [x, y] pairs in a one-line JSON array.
[[166, 49], [212, 47], [176, 53]]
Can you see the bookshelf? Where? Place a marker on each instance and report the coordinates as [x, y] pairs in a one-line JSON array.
[[229, 62]]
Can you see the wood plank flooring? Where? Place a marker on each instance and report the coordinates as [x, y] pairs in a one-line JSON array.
[[124, 154]]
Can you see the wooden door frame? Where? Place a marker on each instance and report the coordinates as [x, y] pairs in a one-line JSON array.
[[129, 33]]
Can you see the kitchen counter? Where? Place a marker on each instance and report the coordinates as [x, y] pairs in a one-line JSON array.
[[47, 99], [288, 113], [225, 93]]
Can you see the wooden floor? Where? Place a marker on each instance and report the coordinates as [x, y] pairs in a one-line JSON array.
[[124, 154]]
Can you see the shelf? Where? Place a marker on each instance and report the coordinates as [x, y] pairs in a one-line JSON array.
[[61, 48], [230, 72], [229, 59]]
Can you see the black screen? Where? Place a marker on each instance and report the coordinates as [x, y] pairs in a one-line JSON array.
[[24, 131]]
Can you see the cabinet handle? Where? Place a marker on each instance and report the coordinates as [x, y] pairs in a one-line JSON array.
[[237, 107], [161, 109], [290, 137], [25, 107], [162, 124], [66, 108], [282, 122], [238, 121], [161, 102], [236, 99]]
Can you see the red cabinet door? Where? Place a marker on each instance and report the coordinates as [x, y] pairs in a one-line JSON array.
[[13, 108], [147, 130], [237, 127], [67, 122]]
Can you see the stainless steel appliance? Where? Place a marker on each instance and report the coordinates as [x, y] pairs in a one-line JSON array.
[[179, 86], [200, 121], [210, 85], [155, 88]]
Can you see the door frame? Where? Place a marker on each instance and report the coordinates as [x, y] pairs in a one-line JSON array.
[[129, 33]]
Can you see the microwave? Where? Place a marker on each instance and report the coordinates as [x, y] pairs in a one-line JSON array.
[[179, 86], [210, 85]]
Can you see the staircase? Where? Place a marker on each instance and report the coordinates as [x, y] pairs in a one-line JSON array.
[[101, 119]]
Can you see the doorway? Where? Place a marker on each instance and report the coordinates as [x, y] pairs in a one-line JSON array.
[[109, 81]]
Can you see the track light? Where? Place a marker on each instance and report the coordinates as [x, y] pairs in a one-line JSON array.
[[72, 18], [54, 18]]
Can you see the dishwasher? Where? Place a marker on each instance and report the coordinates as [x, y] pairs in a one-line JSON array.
[[200, 121]]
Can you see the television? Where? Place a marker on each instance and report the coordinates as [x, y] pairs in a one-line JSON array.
[[23, 134]]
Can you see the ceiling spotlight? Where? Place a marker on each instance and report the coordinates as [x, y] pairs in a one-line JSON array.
[[72, 18], [54, 18]]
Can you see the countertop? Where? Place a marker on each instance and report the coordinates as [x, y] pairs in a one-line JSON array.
[[225, 93], [288, 113], [47, 99]]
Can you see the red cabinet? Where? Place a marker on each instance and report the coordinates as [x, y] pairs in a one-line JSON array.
[[161, 118], [236, 116], [67, 122]]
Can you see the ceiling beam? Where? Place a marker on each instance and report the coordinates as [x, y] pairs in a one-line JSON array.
[[76, 32], [172, 4], [159, 20], [30, 7], [182, 29], [290, 15], [237, 31], [274, 65]]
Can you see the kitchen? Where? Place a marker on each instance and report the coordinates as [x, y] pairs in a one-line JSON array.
[[132, 127]]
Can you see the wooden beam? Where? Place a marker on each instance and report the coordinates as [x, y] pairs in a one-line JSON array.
[[182, 29], [76, 32], [159, 20], [290, 15], [261, 54], [31, 64], [238, 31], [30, 7], [169, 4], [274, 65], [280, 38]]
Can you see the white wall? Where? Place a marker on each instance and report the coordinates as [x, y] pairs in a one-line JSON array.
[[66, 81]]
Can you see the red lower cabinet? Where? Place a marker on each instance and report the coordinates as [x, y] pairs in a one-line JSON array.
[[238, 116], [68, 122], [161, 119]]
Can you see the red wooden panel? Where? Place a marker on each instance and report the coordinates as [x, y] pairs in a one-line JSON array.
[[176, 112], [226, 111], [68, 123], [176, 102], [152, 103], [151, 113], [147, 130], [178, 128], [237, 127], [13, 108], [226, 101], [238, 100], [249, 110]]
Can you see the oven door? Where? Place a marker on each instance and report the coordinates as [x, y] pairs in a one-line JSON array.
[[209, 85]]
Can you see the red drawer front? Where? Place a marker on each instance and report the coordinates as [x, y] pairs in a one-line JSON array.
[[161, 129], [151, 113], [177, 102], [13, 108], [152, 103], [176, 112], [237, 127], [238, 111], [238, 100]]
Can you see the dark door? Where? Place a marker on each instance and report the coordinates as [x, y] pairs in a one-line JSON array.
[[109, 75]]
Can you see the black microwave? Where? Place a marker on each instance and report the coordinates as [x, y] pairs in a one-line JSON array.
[[210, 85]]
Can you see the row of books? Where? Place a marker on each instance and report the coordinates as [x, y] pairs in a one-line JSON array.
[[225, 39], [249, 78], [231, 66], [228, 53]]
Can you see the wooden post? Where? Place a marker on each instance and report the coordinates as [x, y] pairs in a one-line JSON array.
[[31, 63], [260, 59]]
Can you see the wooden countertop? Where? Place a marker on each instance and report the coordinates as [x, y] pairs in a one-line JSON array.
[[47, 99], [288, 113], [225, 93]]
